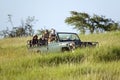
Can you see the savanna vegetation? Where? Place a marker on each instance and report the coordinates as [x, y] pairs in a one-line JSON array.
[[98, 63], [24, 29], [81, 21]]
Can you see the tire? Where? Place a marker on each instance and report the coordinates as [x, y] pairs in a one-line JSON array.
[[65, 49]]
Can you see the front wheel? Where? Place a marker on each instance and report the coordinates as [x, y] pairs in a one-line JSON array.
[[65, 49]]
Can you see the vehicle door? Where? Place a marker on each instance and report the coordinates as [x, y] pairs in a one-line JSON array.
[[54, 47]]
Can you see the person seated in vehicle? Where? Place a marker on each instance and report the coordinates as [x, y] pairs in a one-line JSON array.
[[52, 36], [42, 41], [46, 34], [45, 37], [35, 40]]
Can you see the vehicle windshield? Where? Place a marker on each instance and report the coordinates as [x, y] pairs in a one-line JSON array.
[[68, 37]]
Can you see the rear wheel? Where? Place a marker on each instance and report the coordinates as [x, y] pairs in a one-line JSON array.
[[65, 49]]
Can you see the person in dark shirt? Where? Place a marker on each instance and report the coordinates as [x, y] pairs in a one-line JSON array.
[[35, 40], [42, 41]]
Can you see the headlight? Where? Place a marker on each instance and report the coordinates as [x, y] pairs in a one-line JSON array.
[[71, 44]]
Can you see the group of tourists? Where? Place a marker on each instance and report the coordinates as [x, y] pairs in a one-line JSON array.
[[47, 37]]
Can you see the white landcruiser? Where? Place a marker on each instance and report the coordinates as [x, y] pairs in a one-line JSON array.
[[65, 41]]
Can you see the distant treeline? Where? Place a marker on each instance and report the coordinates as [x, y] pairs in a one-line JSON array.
[[79, 20], [25, 29]]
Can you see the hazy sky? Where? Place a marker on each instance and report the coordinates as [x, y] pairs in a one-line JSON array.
[[52, 13]]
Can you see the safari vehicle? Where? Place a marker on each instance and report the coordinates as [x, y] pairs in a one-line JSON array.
[[64, 41]]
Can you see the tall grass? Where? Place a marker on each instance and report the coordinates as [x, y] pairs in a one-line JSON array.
[[98, 63]]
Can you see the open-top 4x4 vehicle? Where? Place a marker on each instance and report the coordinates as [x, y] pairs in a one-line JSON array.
[[64, 41]]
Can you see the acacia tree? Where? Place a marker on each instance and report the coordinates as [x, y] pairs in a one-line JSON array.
[[83, 21], [78, 20]]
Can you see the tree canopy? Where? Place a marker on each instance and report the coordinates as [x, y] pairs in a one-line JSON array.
[[83, 21]]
